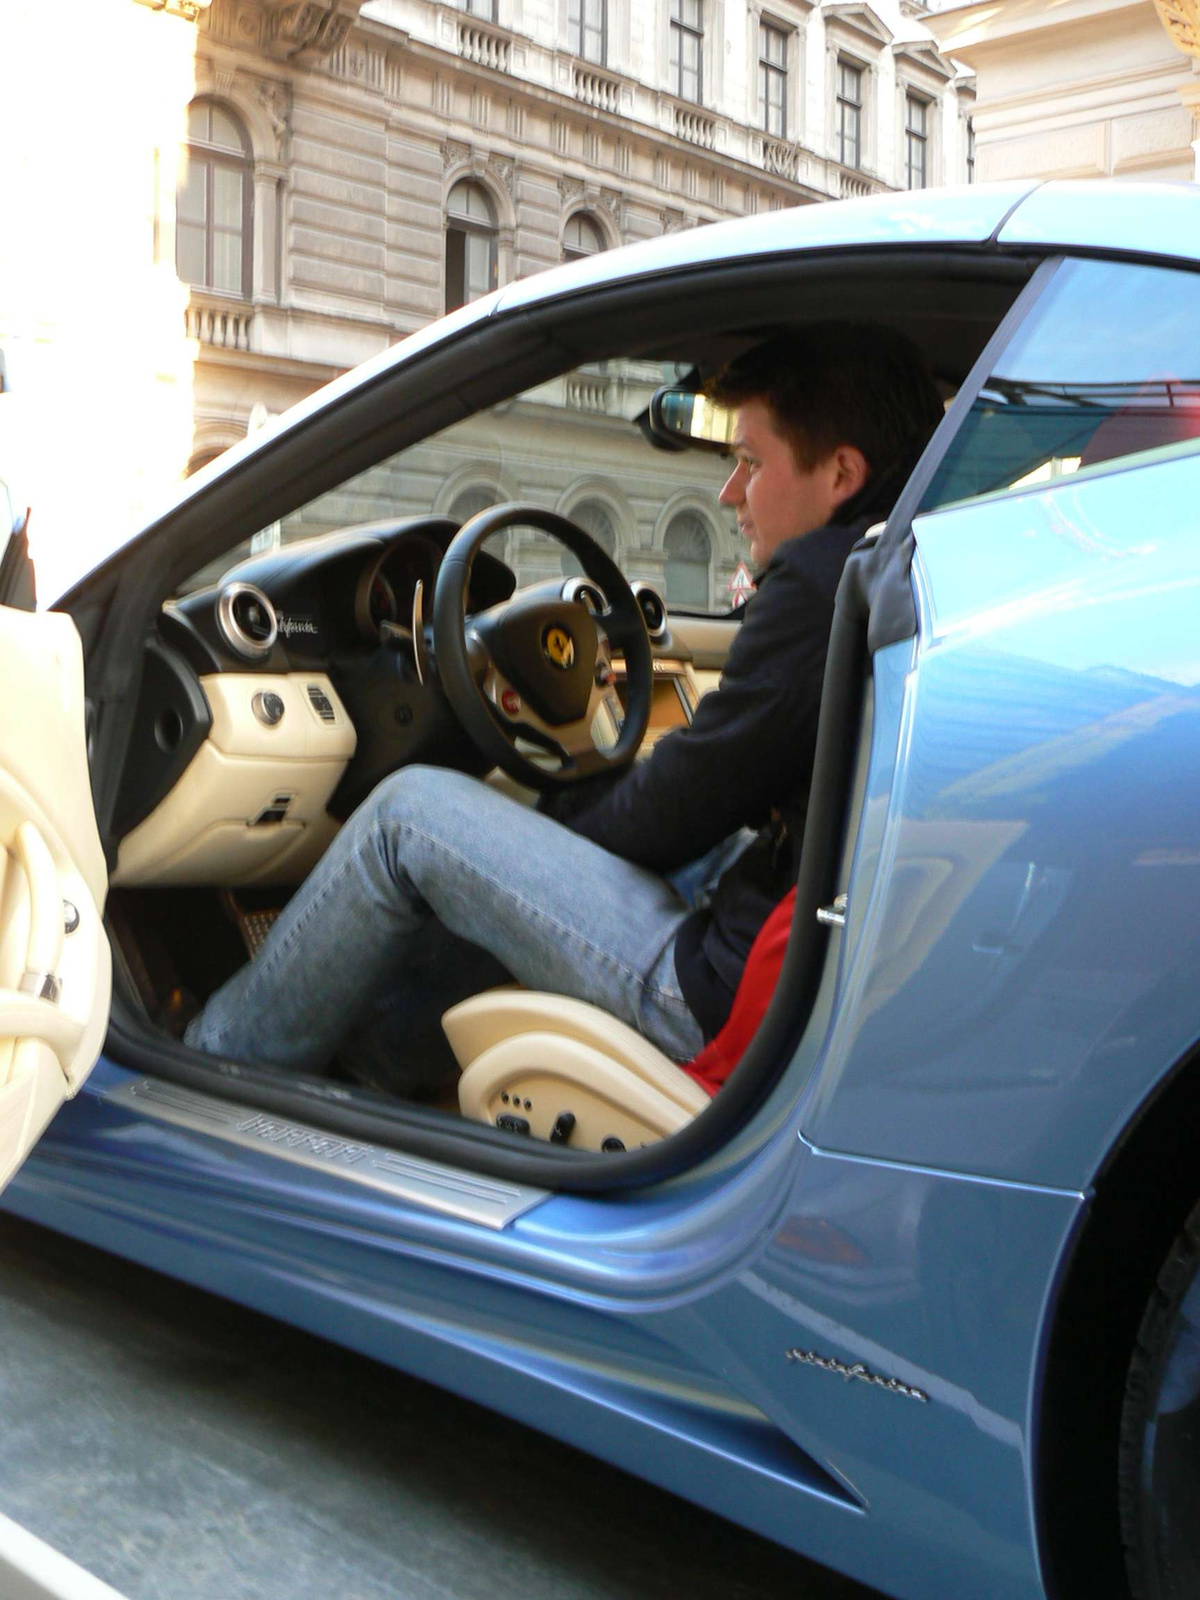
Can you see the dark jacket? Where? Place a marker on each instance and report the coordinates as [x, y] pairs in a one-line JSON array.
[[746, 760]]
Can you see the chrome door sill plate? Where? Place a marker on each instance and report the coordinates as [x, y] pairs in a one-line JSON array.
[[488, 1201]]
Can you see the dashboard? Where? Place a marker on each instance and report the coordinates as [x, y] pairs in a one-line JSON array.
[[274, 701]]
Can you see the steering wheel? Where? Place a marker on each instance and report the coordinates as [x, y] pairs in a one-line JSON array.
[[538, 667]]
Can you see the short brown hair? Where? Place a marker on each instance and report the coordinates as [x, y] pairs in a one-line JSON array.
[[834, 383]]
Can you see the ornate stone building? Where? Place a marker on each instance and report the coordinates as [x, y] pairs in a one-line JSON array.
[[353, 170], [1083, 88], [292, 185]]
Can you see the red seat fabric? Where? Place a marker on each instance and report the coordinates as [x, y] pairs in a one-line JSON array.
[[723, 1052]]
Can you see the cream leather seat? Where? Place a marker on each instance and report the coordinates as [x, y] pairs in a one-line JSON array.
[[565, 1071]]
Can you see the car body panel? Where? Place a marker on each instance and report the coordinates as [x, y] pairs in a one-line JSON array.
[[970, 214], [1022, 979], [655, 1331]]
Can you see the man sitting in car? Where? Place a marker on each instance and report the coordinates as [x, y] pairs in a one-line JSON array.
[[440, 886]]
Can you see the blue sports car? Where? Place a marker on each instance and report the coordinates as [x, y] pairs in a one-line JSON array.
[[917, 1292]]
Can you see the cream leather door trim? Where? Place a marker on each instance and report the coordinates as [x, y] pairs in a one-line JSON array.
[[55, 964]]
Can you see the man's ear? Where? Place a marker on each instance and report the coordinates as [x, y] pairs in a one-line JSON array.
[[850, 473]]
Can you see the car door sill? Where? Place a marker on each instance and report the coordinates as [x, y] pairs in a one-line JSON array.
[[490, 1202]]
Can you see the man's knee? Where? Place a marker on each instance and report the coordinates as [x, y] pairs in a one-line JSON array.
[[415, 795]]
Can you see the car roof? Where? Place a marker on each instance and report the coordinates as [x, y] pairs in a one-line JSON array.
[[1155, 219]]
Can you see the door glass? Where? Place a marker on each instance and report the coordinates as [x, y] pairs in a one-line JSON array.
[[1107, 365]]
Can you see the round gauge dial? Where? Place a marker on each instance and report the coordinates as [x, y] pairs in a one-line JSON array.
[[381, 602]]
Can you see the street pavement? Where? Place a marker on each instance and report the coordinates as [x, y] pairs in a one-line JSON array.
[[182, 1448]]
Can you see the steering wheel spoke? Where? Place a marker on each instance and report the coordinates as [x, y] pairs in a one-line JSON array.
[[538, 668]]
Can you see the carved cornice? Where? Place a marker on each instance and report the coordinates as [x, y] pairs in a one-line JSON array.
[[1181, 19], [292, 27]]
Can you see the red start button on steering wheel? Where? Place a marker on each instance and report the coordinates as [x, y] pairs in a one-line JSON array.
[[510, 702]]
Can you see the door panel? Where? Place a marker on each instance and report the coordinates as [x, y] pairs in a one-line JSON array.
[[55, 964]]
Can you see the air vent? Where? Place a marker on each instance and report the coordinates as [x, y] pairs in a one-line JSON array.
[[585, 593], [653, 609], [246, 620], [321, 703]]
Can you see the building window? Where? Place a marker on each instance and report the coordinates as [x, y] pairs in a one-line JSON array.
[[772, 79], [212, 203], [479, 8], [594, 517], [916, 141], [970, 150], [689, 553], [849, 113], [471, 256], [581, 237], [587, 29], [687, 46]]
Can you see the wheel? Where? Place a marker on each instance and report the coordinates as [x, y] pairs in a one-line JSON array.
[[1160, 1433], [536, 670]]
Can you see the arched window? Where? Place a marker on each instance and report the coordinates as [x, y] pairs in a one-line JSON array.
[[594, 517], [581, 237], [471, 257], [468, 503], [689, 552], [213, 203]]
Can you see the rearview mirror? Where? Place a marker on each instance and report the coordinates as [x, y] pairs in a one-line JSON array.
[[688, 418]]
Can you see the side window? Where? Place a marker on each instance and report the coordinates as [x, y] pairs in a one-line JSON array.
[[587, 29], [687, 48], [849, 113], [688, 550], [1106, 365], [594, 517], [581, 237], [471, 256], [212, 205]]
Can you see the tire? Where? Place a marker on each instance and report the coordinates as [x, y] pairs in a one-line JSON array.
[[1159, 1463]]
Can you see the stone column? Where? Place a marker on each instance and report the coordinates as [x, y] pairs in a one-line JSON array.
[[1181, 19]]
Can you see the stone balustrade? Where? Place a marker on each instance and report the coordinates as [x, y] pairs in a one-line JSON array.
[[218, 322], [596, 89], [483, 47], [854, 185], [696, 127], [588, 392]]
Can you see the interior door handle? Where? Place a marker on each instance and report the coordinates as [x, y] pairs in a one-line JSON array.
[[30, 1011], [44, 948]]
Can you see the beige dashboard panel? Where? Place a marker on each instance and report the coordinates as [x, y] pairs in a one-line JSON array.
[[251, 805]]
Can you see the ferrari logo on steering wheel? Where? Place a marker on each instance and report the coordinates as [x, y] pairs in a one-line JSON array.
[[559, 647]]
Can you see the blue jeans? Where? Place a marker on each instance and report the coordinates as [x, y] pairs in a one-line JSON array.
[[437, 887]]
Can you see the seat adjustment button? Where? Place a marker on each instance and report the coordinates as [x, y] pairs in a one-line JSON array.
[[564, 1126]]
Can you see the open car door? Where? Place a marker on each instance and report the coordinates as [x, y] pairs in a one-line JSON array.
[[55, 963]]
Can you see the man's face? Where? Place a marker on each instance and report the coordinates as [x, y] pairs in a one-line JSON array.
[[775, 498]]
